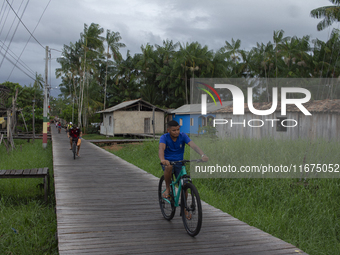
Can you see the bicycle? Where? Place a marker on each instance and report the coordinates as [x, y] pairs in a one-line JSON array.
[[191, 208], [74, 147]]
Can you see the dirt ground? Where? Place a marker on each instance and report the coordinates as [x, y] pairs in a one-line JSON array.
[[117, 147], [114, 147]]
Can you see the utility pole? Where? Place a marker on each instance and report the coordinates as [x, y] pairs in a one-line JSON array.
[[45, 102], [33, 118]]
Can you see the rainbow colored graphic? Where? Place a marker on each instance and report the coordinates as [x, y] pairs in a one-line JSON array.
[[208, 92]]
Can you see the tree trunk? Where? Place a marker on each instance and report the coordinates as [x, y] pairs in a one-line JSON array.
[[81, 95], [107, 60]]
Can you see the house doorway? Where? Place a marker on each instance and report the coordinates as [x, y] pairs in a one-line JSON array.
[[146, 125]]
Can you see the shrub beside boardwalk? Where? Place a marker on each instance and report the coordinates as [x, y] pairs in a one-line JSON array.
[[305, 214], [27, 224]]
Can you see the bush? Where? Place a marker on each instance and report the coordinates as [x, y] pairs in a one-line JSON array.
[[93, 130]]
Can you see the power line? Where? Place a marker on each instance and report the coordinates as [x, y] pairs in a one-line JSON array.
[[29, 38], [21, 62], [9, 30], [14, 32], [18, 60], [17, 66], [24, 25], [55, 49], [4, 10], [5, 18]]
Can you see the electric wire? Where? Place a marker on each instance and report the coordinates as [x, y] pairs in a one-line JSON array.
[[5, 18], [9, 30], [25, 66], [14, 32], [24, 25], [2, 9], [18, 67], [29, 39]]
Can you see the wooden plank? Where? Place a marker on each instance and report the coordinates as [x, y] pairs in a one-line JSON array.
[[19, 172], [8, 172], [12, 172], [26, 171], [2, 172], [34, 171], [45, 170]]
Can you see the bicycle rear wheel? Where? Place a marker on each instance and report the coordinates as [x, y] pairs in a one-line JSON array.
[[167, 206], [191, 209], [74, 149]]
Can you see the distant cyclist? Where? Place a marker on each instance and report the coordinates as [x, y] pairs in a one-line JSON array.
[[69, 126], [59, 127], [74, 134]]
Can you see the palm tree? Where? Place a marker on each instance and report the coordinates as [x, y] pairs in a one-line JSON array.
[[193, 57], [166, 55], [330, 14], [112, 40], [92, 44], [125, 85], [278, 39]]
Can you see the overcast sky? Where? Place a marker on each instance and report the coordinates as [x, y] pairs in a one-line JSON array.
[[144, 21]]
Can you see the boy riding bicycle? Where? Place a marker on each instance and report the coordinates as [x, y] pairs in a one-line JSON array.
[[74, 134], [171, 148]]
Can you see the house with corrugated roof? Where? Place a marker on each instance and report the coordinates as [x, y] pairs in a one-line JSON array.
[[324, 121], [190, 118], [132, 117]]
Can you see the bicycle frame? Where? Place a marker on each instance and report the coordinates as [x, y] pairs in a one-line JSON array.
[[186, 197], [179, 182]]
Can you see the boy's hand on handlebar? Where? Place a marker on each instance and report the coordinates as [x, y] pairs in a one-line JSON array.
[[205, 158], [165, 162]]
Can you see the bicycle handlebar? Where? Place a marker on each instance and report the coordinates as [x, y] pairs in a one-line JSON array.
[[184, 161]]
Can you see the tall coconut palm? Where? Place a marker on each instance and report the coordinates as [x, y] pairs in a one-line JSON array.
[[192, 57], [112, 40], [278, 39], [92, 44], [166, 55], [330, 14]]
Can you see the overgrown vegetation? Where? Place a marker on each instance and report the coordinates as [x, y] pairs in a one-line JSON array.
[[27, 224], [305, 214]]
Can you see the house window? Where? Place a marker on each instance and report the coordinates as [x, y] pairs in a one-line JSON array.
[[110, 121], [191, 121], [279, 126], [181, 122]]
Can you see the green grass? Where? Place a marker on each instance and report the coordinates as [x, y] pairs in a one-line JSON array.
[[27, 224], [303, 213]]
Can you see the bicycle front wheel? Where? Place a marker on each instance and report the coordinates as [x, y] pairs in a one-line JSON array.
[[74, 149], [167, 205], [191, 209]]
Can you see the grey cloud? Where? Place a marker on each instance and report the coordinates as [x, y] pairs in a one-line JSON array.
[[152, 21]]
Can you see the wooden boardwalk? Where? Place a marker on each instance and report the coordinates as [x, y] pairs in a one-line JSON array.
[[107, 206]]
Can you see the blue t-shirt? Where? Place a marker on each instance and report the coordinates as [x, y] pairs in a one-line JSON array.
[[174, 150]]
